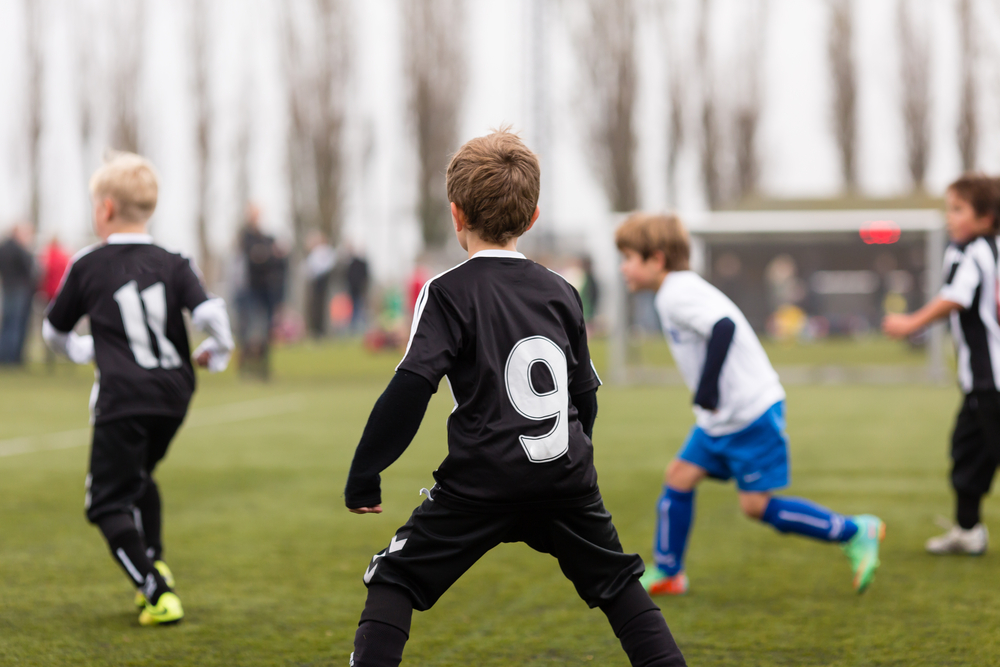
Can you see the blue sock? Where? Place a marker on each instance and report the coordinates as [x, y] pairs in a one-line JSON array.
[[797, 515], [675, 512]]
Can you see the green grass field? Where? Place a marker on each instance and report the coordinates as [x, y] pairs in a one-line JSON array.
[[269, 562]]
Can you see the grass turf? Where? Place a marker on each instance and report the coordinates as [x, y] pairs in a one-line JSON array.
[[269, 563]]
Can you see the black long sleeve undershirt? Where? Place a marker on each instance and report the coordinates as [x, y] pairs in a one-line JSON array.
[[391, 426], [394, 421], [707, 395]]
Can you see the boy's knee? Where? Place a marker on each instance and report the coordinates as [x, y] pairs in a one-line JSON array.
[[682, 476], [754, 504]]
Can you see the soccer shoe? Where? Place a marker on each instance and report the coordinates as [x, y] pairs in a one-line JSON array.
[[862, 549], [167, 610], [657, 582], [960, 541], [168, 576]]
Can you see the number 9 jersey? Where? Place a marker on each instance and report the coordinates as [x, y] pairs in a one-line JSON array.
[[508, 336], [133, 292]]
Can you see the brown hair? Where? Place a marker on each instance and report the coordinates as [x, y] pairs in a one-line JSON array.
[[130, 180], [981, 192], [648, 233], [495, 180]]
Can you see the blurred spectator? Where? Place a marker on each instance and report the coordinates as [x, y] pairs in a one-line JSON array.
[[419, 276], [54, 262], [319, 267], [17, 275], [357, 289], [266, 267], [590, 293]]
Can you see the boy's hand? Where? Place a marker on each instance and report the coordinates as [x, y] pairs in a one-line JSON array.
[[366, 510], [898, 325], [203, 359]]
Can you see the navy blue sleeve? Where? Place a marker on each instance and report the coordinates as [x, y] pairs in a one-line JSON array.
[[391, 426], [707, 395]]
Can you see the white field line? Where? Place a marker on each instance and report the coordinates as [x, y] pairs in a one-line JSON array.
[[220, 414]]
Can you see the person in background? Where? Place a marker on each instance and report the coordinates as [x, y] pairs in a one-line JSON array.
[[17, 275], [265, 271], [320, 262], [590, 293], [54, 262], [357, 289]]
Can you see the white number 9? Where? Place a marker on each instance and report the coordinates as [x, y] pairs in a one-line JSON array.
[[538, 406]]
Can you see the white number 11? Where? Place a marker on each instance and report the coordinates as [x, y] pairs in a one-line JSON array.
[[540, 406], [143, 312]]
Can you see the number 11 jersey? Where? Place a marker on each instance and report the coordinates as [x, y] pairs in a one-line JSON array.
[[133, 292], [509, 338]]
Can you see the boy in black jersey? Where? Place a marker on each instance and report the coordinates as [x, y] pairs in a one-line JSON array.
[[133, 292], [969, 299], [509, 337]]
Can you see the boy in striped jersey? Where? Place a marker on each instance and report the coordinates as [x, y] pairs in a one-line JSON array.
[[969, 299]]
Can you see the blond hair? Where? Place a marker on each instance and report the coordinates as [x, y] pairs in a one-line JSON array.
[[648, 233], [130, 180], [495, 180]]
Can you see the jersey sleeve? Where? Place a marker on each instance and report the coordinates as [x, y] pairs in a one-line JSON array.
[[584, 376], [189, 285], [435, 336], [688, 309], [961, 281], [68, 306]]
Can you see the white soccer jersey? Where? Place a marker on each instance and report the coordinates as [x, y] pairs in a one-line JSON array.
[[689, 308], [970, 280]]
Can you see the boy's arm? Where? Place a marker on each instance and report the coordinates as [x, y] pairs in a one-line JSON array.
[[60, 318], [707, 395], [211, 317], [904, 325], [391, 426], [79, 349], [586, 409]]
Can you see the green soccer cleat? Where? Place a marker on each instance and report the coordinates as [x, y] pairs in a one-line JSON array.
[[168, 576], [166, 611], [657, 582], [862, 549]]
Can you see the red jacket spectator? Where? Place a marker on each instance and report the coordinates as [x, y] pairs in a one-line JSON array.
[[55, 261]]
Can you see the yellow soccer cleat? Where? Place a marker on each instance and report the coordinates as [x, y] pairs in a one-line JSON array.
[[166, 611], [168, 576]]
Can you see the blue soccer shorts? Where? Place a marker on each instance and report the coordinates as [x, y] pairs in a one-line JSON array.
[[757, 456]]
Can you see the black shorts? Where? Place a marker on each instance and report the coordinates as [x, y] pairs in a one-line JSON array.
[[438, 544], [122, 458], [975, 443]]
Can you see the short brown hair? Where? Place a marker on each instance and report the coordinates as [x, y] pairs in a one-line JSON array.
[[130, 180], [648, 233], [981, 192], [495, 180]]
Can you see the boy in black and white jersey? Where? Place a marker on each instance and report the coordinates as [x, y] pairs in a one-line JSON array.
[[969, 299], [509, 337], [133, 293]]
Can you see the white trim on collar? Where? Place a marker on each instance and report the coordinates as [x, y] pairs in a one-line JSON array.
[[508, 254], [120, 239]]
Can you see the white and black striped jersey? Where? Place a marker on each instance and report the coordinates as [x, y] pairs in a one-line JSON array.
[[133, 292], [970, 280], [509, 337]]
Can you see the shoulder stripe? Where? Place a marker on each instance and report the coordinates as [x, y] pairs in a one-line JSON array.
[[418, 310]]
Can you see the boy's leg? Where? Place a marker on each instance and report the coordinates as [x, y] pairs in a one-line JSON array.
[[975, 456], [161, 432], [117, 461], [384, 627], [675, 514], [639, 626], [798, 516]]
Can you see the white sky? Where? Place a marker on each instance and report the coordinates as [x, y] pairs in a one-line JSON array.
[[799, 158]]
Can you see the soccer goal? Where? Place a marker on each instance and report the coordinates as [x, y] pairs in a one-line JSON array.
[[800, 277]]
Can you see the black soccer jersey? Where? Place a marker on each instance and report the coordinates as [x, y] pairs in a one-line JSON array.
[[133, 291], [509, 337], [970, 280]]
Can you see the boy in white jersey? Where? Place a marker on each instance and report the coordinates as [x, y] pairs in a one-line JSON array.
[[739, 408], [968, 298]]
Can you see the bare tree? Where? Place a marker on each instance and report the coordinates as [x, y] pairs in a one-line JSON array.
[[606, 49], [435, 71], [748, 109], [128, 24], [33, 33], [968, 121], [317, 68], [845, 88], [711, 132], [914, 54], [203, 128], [675, 128]]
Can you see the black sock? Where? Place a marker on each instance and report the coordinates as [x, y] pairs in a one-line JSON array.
[[148, 507], [639, 626], [967, 510], [384, 627], [129, 550]]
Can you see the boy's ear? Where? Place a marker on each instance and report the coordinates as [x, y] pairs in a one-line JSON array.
[[458, 217], [534, 218], [659, 258]]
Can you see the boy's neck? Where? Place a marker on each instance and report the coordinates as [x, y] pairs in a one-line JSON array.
[[476, 244], [124, 227], [660, 279]]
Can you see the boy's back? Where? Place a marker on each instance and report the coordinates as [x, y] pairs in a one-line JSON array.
[[133, 292], [509, 336]]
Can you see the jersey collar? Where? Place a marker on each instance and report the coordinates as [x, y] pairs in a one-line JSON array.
[[120, 239], [508, 254]]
